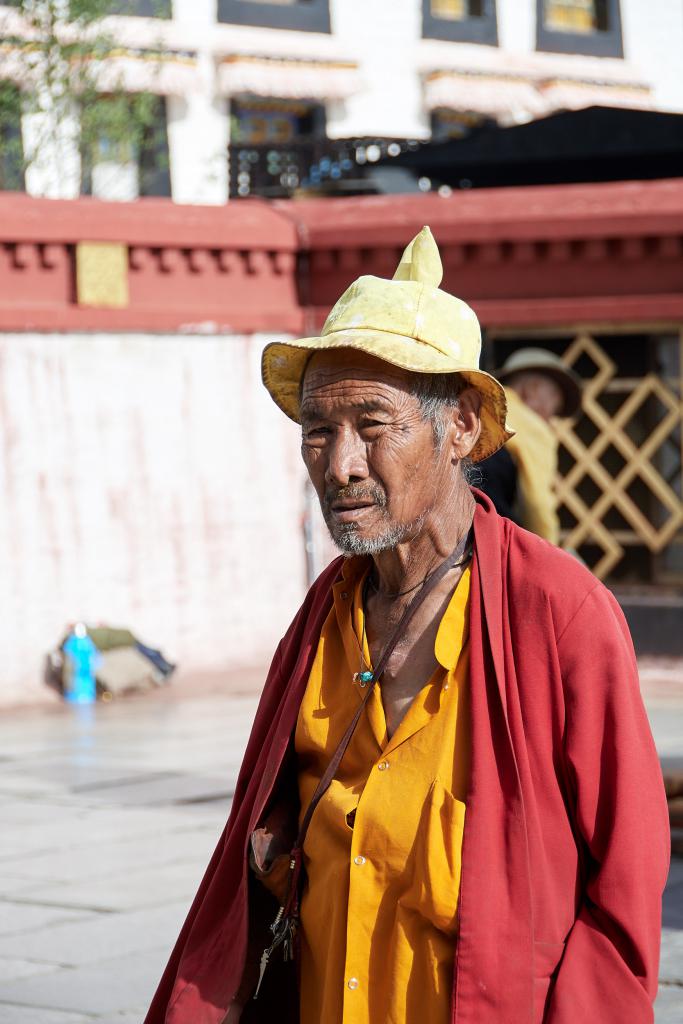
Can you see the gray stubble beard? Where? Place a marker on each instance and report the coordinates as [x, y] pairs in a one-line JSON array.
[[350, 542]]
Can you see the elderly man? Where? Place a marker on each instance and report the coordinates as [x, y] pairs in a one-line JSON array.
[[450, 790]]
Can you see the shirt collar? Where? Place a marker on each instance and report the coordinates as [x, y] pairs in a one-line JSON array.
[[455, 625]]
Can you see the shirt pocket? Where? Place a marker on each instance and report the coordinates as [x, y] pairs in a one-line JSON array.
[[436, 860]]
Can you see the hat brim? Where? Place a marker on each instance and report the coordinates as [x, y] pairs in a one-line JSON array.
[[284, 363], [568, 382]]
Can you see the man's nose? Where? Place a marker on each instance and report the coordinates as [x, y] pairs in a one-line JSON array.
[[347, 459]]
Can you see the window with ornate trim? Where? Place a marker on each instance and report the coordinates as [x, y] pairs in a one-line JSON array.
[[299, 15], [131, 8], [465, 21], [107, 162], [142, 8], [273, 145], [592, 27]]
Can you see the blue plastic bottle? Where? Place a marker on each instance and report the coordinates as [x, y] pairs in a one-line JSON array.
[[84, 656]]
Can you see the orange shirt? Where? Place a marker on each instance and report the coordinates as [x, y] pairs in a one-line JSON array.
[[382, 854]]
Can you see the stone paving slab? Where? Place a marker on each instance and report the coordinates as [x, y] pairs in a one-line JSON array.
[[669, 1005], [16, 918], [147, 886], [666, 727], [116, 985], [76, 822], [167, 788], [89, 861], [36, 1015], [77, 943], [12, 886], [671, 962], [12, 968]]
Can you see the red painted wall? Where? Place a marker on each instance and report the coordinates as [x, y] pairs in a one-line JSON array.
[[521, 256]]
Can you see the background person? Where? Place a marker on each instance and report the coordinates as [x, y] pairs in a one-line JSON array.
[[520, 478]]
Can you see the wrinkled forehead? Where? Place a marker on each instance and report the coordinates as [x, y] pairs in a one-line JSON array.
[[335, 370]]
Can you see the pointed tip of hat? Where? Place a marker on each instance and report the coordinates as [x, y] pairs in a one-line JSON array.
[[421, 260]]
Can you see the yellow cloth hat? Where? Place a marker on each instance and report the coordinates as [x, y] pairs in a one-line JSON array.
[[408, 322]]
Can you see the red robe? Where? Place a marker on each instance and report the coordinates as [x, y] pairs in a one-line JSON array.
[[566, 846]]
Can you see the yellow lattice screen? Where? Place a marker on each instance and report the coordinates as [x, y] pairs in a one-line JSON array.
[[627, 455]]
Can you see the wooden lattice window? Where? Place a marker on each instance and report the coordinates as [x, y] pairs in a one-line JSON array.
[[620, 490]]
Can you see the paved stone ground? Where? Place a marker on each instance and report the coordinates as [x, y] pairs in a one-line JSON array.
[[109, 815]]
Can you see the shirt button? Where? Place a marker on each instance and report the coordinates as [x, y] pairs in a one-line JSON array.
[[359, 860], [344, 595], [383, 765], [445, 686], [352, 983]]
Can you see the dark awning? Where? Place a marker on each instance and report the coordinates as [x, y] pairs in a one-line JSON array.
[[594, 144]]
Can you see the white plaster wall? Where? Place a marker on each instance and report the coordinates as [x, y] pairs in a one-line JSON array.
[[653, 42], [116, 181], [516, 25], [198, 136], [147, 481], [382, 36], [198, 123], [50, 143]]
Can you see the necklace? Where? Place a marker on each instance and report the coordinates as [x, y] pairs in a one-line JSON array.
[[398, 593], [459, 557]]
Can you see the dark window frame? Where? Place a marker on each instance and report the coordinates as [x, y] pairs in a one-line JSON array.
[[482, 28], [304, 16], [601, 43], [162, 9], [152, 157], [12, 168], [146, 8]]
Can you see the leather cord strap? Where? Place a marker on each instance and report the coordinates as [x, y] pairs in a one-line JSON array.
[[452, 562]]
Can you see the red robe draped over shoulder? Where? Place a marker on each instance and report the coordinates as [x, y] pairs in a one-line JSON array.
[[566, 845]]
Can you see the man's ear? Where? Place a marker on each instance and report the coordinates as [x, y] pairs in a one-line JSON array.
[[465, 424]]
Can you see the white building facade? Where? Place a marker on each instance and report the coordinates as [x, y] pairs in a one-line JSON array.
[[237, 75]]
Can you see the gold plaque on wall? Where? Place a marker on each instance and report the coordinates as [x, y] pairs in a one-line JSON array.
[[102, 274]]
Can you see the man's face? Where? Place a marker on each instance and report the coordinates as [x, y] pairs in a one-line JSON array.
[[370, 454], [540, 392]]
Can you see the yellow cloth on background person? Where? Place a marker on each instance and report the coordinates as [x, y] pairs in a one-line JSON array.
[[382, 854], [534, 452]]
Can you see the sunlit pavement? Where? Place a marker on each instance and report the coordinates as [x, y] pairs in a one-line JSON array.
[[109, 816]]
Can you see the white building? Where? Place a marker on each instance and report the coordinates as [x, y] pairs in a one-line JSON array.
[[251, 77]]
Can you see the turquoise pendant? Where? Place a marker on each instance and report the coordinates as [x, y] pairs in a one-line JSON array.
[[362, 677]]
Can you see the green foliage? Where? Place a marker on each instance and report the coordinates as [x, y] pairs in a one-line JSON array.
[[60, 59], [11, 150]]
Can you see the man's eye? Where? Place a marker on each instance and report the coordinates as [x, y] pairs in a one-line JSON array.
[[315, 432], [371, 424]]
